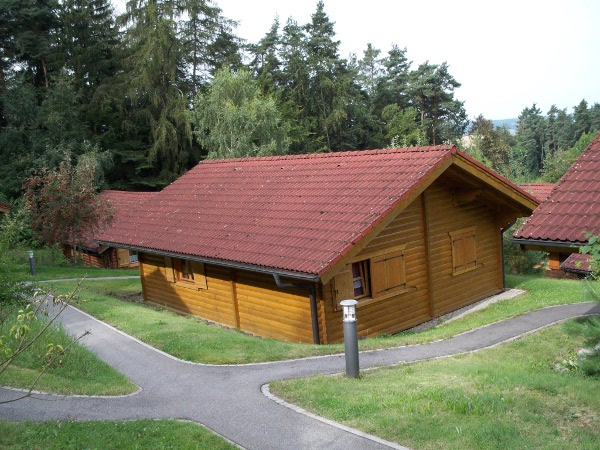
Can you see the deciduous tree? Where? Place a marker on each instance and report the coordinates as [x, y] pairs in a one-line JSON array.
[[65, 204], [233, 119]]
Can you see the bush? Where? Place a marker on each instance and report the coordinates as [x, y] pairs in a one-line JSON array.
[[516, 260]]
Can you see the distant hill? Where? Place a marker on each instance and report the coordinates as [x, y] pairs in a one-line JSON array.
[[511, 124]]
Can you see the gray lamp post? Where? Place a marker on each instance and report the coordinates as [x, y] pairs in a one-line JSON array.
[[32, 263], [350, 338]]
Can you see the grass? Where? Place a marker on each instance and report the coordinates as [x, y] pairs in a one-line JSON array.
[[51, 265], [198, 341], [154, 434], [77, 371], [510, 396]]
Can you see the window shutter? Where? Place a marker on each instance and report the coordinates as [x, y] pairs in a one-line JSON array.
[[343, 287], [199, 275], [122, 257], [464, 245], [469, 251], [388, 274], [169, 269]]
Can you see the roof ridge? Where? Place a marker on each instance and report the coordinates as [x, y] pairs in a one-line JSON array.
[[443, 147]]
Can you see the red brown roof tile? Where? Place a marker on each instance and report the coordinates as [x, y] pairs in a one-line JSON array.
[[578, 263], [297, 213], [541, 191], [573, 206], [122, 202]]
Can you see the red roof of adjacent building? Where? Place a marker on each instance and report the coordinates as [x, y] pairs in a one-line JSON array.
[[297, 213], [122, 202], [541, 191], [578, 263], [573, 206]]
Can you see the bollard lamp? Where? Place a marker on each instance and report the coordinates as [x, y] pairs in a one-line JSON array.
[[349, 310]]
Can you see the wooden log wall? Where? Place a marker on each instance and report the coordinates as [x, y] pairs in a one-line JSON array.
[[432, 289], [452, 292], [399, 312], [249, 301]]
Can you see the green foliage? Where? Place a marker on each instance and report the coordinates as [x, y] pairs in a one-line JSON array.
[[401, 127], [234, 120], [557, 165], [528, 262], [15, 228], [592, 248], [65, 204]]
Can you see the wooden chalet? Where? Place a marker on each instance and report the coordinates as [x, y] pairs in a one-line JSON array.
[[559, 224], [272, 245], [96, 255]]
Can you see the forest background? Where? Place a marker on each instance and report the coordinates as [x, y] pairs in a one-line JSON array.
[[149, 93]]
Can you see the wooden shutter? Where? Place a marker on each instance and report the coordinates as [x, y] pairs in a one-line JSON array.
[[388, 274], [199, 275], [122, 257], [169, 269], [464, 255], [343, 287]]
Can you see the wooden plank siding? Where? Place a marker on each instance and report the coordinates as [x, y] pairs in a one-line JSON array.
[[246, 300], [401, 311], [214, 304], [267, 310], [455, 291], [432, 288]]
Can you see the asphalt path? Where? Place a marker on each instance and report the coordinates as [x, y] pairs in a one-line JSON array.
[[234, 401]]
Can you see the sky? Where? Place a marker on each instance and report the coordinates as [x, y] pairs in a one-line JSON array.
[[507, 54]]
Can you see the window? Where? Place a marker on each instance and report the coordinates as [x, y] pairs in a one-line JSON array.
[[375, 276], [133, 257], [464, 255], [360, 279], [186, 273]]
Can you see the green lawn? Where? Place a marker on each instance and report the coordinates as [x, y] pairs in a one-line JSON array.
[[506, 397], [77, 371], [140, 434]]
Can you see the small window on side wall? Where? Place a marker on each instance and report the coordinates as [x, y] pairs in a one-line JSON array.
[[186, 273], [377, 276], [464, 250]]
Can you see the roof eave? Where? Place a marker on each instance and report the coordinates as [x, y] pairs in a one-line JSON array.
[[306, 277], [547, 243]]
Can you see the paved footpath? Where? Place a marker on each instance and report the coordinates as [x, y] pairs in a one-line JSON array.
[[230, 399]]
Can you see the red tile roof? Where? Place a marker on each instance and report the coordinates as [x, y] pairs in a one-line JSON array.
[[573, 206], [541, 191], [298, 214], [122, 202], [578, 263]]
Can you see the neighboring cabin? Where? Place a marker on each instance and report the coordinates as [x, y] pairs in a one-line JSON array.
[[272, 245], [94, 255], [541, 191], [5, 208], [558, 225]]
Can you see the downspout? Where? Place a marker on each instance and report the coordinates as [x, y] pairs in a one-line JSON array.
[[312, 297]]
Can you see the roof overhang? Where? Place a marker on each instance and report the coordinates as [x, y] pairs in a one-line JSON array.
[[547, 243], [306, 277]]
